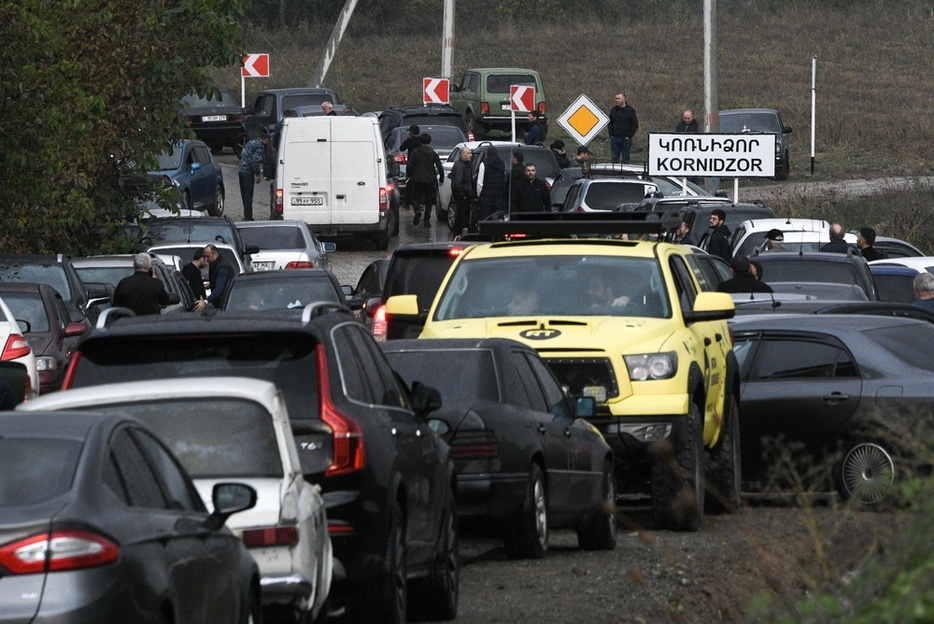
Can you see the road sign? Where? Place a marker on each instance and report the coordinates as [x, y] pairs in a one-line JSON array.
[[583, 120], [522, 98], [255, 66], [436, 91], [712, 155]]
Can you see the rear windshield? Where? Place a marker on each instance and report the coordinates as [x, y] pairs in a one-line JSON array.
[[51, 274], [268, 238], [187, 231], [500, 83], [212, 438], [280, 294], [795, 269], [434, 368], [306, 99], [608, 195], [33, 470], [30, 308], [288, 360], [193, 100], [909, 343], [105, 275]]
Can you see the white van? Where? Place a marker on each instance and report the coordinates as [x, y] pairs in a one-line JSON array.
[[331, 174]]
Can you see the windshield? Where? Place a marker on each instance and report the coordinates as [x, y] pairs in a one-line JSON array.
[[170, 161], [749, 122], [273, 237], [555, 285], [51, 274]]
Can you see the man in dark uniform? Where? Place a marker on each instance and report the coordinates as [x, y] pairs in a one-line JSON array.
[[412, 141], [423, 168], [531, 193], [220, 275], [141, 292], [192, 274]]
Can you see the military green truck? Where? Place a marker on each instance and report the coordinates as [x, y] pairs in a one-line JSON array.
[[482, 97]]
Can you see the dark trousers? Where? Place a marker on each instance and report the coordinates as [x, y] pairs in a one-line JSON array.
[[488, 205], [247, 182], [461, 214], [422, 194], [620, 147]]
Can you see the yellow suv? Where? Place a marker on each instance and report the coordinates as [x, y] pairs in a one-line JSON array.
[[626, 322]]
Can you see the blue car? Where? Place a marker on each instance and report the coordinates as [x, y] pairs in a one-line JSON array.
[[191, 169]]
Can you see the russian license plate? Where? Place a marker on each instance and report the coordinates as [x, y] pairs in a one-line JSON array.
[[263, 266], [214, 118], [315, 200]]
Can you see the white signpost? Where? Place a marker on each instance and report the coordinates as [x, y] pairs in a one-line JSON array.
[[254, 66], [713, 155], [521, 99]]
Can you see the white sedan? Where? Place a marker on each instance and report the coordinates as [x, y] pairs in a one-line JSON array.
[[285, 244], [236, 429], [15, 348]]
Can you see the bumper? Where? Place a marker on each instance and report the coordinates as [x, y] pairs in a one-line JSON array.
[[280, 589], [219, 135], [492, 496], [632, 438]]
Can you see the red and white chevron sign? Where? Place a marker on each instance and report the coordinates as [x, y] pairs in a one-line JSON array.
[[255, 66], [522, 98], [436, 91]]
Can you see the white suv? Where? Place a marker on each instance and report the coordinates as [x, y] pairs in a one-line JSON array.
[[15, 348], [236, 429]]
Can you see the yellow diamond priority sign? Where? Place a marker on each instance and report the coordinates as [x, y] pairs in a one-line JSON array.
[[583, 120]]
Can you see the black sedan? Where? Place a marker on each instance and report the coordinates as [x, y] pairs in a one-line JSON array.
[[522, 457], [49, 331], [281, 290], [99, 523], [837, 398]]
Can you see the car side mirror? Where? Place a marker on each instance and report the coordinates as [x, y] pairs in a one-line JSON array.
[[75, 329], [252, 249], [228, 499], [425, 399], [329, 247], [195, 166]]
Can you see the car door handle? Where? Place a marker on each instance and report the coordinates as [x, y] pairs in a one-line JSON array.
[[541, 428], [361, 183], [340, 197], [833, 397], [394, 432]]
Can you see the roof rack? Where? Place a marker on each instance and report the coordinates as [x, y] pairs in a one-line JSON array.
[[534, 225], [317, 308]]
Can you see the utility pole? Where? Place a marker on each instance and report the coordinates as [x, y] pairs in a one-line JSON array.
[[447, 41], [711, 77]]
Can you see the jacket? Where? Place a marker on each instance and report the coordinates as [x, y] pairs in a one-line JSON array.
[[424, 165], [718, 243], [142, 293], [530, 196], [623, 121], [492, 179], [461, 183]]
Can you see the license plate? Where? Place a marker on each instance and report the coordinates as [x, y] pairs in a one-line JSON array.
[[214, 118], [308, 201], [263, 266], [506, 107]]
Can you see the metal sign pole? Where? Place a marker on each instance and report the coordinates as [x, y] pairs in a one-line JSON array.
[[813, 106]]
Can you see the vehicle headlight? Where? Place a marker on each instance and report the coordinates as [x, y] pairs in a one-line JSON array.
[[46, 363], [652, 366]]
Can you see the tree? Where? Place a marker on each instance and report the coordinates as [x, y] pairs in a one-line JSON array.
[[88, 88]]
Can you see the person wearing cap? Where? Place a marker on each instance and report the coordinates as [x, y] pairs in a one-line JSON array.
[[250, 170], [718, 239], [865, 241], [141, 292], [743, 280], [583, 154], [774, 239], [557, 148]]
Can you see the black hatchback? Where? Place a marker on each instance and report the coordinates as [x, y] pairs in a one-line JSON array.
[[386, 476]]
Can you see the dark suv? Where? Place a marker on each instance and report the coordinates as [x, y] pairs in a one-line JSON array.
[[164, 230], [58, 272], [761, 121], [433, 115], [269, 105], [386, 476]]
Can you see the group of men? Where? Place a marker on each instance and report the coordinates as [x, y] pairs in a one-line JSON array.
[[144, 293]]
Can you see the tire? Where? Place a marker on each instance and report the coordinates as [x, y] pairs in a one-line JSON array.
[[782, 174], [218, 209], [451, 214], [254, 611], [437, 596], [526, 535], [678, 480], [866, 473], [602, 528], [385, 599], [239, 145], [724, 466]]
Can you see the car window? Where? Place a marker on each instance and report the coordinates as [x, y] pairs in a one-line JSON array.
[[795, 269], [193, 100], [687, 292], [171, 160], [273, 237], [419, 275], [139, 486], [500, 83], [202, 155], [51, 274], [434, 368], [188, 231], [181, 495], [749, 122], [384, 387], [554, 395], [608, 195], [105, 275], [305, 99], [33, 470], [909, 343], [529, 393], [280, 294], [790, 358], [28, 307]]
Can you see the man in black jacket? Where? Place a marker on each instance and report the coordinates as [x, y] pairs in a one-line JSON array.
[[743, 280], [141, 292], [718, 242], [623, 125], [530, 194], [491, 184], [423, 167], [220, 274], [462, 191]]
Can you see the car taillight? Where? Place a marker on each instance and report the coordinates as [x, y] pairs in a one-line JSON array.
[[383, 200], [349, 453], [340, 527], [484, 108], [278, 207], [15, 347], [70, 371], [478, 444], [541, 108], [400, 158], [57, 551], [470, 136], [379, 324], [270, 536], [300, 264]]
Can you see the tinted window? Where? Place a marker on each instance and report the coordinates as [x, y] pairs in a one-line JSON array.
[[53, 275], [307, 99], [500, 83], [418, 275], [141, 487], [212, 438], [527, 378], [434, 368], [376, 368], [193, 100], [30, 308], [749, 122], [899, 288], [354, 381], [607, 195], [105, 275], [35, 469], [280, 294], [188, 231], [787, 358], [169, 161], [801, 270], [273, 237], [181, 494], [554, 395], [909, 343], [286, 359]]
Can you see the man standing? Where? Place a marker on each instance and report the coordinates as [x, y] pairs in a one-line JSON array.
[[774, 239], [327, 108], [192, 274], [865, 241], [219, 276], [412, 141], [623, 126], [837, 243], [141, 292], [250, 172], [421, 169], [687, 124], [491, 184], [535, 134], [718, 241], [462, 191], [923, 285], [530, 194]]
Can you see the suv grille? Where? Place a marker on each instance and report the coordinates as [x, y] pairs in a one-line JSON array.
[[576, 373]]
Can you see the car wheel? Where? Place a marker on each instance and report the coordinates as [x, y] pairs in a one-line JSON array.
[[475, 126], [438, 594], [783, 171], [866, 473], [527, 534], [239, 144], [451, 214], [602, 528], [724, 466], [218, 209], [678, 478], [385, 599], [254, 611]]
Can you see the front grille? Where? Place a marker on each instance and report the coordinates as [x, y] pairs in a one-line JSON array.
[[577, 373]]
